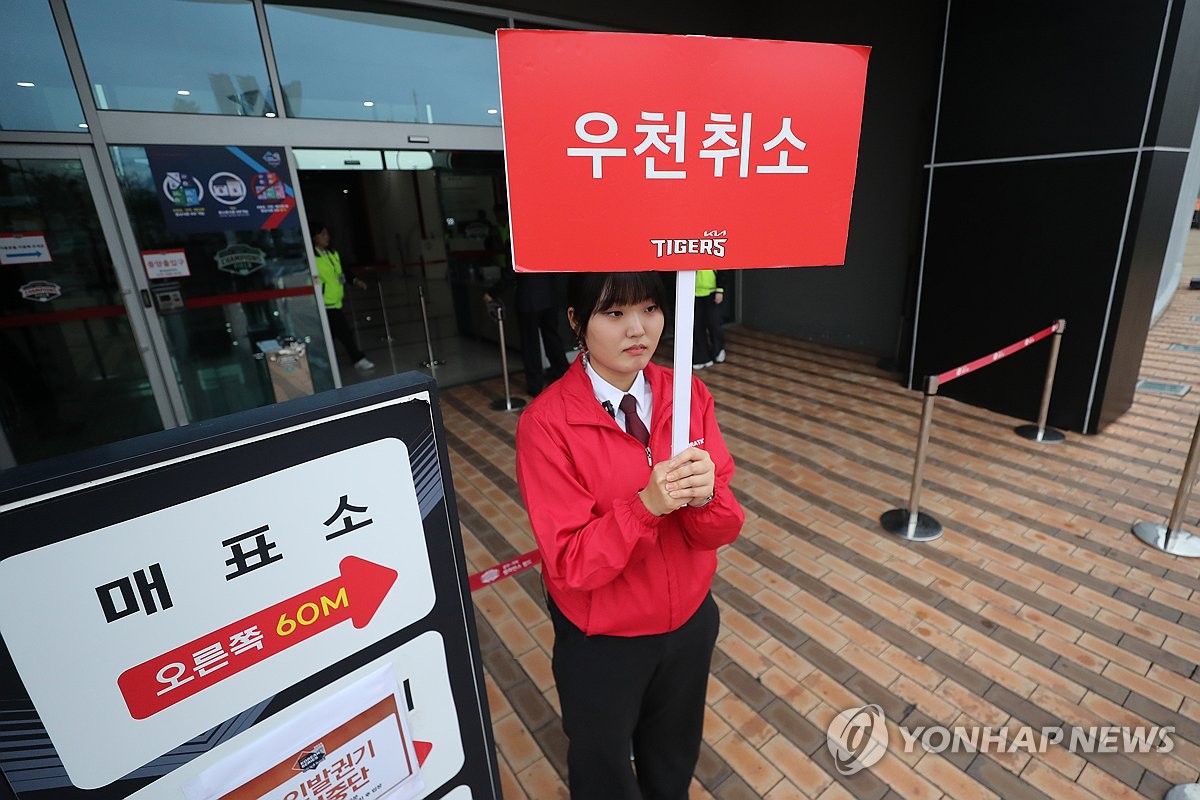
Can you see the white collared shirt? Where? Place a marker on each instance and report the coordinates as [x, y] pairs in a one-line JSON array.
[[606, 392]]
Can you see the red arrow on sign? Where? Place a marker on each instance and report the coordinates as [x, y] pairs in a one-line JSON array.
[[161, 682]]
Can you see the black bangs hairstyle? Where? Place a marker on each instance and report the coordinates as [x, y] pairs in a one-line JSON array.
[[592, 292]]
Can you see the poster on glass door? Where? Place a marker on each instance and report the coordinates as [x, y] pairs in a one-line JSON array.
[[205, 189]]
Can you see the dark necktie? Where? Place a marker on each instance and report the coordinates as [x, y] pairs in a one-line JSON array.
[[633, 423]]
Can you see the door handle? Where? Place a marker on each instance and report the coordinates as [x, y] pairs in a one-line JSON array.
[[146, 301]]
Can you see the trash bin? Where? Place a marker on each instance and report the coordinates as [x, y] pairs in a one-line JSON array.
[[287, 365]]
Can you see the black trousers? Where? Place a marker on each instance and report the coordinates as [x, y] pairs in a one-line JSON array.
[[339, 329], [543, 324], [648, 690], [707, 337]]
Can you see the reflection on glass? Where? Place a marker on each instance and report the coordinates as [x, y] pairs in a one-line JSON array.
[[216, 332], [71, 375], [36, 92], [428, 238], [188, 56], [426, 66]]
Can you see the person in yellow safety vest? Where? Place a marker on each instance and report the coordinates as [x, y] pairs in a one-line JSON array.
[[708, 340], [333, 285]]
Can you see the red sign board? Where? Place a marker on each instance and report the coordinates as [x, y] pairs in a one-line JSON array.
[[644, 151]]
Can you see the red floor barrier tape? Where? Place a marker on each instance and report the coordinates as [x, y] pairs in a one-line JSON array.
[[965, 369], [505, 570]]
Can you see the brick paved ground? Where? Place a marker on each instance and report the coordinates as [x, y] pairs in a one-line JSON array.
[[1037, 607]]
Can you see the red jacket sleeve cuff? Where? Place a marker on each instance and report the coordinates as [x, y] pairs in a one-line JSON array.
[[641, 514]]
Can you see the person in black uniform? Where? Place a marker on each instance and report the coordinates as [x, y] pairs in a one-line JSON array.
[[539, 311]]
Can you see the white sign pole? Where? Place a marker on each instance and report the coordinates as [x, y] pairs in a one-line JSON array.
[[685, 312]]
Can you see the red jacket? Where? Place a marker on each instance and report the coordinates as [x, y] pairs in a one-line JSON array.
[[610, 565]]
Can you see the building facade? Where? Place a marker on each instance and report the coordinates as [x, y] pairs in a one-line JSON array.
[[1018, 164]]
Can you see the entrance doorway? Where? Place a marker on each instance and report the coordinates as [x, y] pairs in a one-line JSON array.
[[416, 226]]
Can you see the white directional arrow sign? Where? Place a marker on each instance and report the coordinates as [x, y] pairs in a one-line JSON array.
[[23, 248]]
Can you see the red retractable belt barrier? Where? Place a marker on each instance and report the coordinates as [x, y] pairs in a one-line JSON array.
[[911, 523], [246, 297], [506, 570], [965, 369], [70, 315], [100, 312]]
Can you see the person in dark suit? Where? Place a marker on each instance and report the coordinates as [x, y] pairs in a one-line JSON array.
[[539, 312]]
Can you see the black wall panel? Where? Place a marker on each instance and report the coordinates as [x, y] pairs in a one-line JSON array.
[[1011, 248], [861, 305], [1153, 212], [1028, 77], [1178, 91], [1079, 237]]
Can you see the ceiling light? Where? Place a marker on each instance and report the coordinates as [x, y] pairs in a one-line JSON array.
[[345, 191], [493, 111], [270, 113], [183, 92], [83, 124], [368, 103], [26, 84]]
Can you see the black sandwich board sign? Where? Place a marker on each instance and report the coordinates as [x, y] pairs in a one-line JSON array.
[[271, 604]]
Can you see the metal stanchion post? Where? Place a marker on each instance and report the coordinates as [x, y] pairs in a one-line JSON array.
[[387, 329], [911, 523], [431, 362], [1039, 432], [1169, 538], [509, 403]]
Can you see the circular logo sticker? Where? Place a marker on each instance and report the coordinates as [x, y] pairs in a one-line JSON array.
[[227, 188], [182, 189]]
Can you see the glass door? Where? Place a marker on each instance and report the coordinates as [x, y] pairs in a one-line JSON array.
[[234, 302], [71, 372]]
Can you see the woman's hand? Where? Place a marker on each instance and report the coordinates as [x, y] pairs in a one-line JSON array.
[[687, 479]]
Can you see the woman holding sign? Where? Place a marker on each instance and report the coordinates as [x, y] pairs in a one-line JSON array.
[[628, 537]]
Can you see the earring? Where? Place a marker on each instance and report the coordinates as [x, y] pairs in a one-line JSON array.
[[583, 351]]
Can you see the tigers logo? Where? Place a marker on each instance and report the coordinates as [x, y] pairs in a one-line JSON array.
[[857, 738], [711, 244]]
